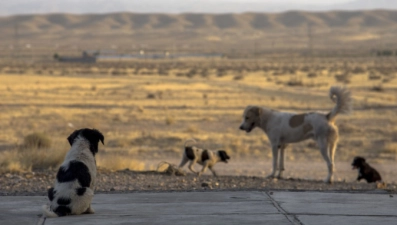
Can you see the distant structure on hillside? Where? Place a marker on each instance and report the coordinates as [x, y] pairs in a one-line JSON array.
[[92, 57], [85, 58]]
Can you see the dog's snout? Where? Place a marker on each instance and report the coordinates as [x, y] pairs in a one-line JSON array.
[[241, 127]]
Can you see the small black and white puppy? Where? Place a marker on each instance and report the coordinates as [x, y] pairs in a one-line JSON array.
[[75, 181], [365, 171], [204, 157]]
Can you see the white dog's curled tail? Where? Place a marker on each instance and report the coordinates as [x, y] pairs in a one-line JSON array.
[[47, 212], [341, 96]]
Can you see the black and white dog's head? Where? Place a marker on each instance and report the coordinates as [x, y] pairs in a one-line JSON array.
[[75, 180], [223, 156], [91, 135]]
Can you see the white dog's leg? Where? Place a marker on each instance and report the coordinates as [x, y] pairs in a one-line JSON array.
[[332, 149], [324, 152], [275, 160], [281, 163]]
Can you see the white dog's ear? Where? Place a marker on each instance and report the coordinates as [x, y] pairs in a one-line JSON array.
[[257, 110]]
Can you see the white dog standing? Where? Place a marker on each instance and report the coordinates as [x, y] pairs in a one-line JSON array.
[[75, 181], [283, 128]]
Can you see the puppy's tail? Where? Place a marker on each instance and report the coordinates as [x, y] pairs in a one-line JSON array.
[[190, 140], [341, 96], [47, 212]]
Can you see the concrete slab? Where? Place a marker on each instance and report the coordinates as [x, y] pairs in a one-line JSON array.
[[177, 220], [250, 207], [178, 197], [351, 220], [318, 203], [180, 208], [16, 210]]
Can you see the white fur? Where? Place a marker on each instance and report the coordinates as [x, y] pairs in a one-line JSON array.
[[318, 126], [79, 151]]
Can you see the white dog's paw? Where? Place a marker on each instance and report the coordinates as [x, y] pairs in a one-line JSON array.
[[328, 180]]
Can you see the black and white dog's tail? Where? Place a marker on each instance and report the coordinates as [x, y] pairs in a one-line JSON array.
[[47, 212], [189, 140]]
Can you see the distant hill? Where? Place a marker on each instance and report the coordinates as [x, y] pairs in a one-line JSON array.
[[281, 30], [245, 21]]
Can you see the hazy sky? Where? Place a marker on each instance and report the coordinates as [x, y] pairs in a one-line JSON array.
[[12, 7]]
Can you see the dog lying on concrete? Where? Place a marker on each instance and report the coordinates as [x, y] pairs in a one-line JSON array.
[[365, 171], [75, 181], [283, 128], [204, 157]]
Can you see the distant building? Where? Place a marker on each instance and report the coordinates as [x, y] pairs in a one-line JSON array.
[[85, 58]]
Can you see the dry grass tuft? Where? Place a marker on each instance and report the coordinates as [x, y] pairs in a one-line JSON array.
[[27, 159], [169, 120], [192, 129], [377, 88], [151, 96], [119, 142], [36, 140], [295, 81], [238, 77]]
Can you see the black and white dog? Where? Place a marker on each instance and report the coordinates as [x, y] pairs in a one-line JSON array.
[[365, 171], [75, 181], [204, 157]]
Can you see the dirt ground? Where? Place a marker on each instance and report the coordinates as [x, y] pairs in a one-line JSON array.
[[242, 175]]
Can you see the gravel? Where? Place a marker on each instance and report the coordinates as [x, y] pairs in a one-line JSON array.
[[37, 183]]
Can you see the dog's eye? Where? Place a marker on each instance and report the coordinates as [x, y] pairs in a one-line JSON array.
[[246, 118]]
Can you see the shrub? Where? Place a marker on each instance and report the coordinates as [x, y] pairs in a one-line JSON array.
[[27, 159], [36, 140], [169, 120]]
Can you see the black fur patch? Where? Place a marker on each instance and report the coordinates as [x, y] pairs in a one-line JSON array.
[[73, 136], [51, 192], [76, 171], [92, 135], [64, 201], [80, 191], [204, 155], [189, 153], [223, 155], [365, 171], [62, 210]]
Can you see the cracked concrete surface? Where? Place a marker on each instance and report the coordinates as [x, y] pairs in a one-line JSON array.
[[245, 207]]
